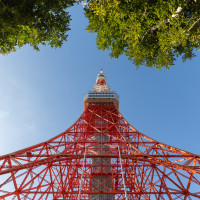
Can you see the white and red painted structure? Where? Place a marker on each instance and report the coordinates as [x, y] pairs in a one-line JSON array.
[[100, 157]]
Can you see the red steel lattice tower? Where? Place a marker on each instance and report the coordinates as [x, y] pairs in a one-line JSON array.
[[100, 157]]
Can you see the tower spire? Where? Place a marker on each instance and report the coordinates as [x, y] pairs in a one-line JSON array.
[[101, 85]]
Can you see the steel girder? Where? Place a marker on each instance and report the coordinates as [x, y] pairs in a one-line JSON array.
[[56, 169]]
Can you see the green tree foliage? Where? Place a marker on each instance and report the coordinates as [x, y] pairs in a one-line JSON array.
[[149, 32], [33, 22]]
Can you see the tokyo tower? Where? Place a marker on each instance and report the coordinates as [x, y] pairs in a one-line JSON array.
[[100, 157]]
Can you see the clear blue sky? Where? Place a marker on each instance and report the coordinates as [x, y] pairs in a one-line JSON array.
[[41, 93]]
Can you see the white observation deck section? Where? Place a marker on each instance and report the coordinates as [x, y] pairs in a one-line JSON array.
[[95, 97]]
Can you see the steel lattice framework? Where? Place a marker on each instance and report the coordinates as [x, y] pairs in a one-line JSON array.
[[101, 156]]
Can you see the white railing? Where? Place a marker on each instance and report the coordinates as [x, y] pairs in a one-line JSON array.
[[101, 95]]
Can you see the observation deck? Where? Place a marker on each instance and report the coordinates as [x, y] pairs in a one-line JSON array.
[[101, 97]]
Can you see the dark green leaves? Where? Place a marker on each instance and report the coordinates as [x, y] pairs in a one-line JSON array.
[[148, 32], [33, 22]]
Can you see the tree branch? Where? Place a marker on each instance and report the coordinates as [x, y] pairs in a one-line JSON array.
[[193, 24], [176, 14]]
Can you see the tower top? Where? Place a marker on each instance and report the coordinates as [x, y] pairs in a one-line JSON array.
[[101, 94], [101, 85]]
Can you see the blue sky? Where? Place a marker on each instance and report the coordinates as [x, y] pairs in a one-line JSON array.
[[41, 93]]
